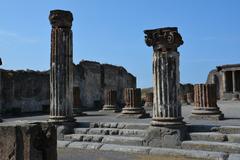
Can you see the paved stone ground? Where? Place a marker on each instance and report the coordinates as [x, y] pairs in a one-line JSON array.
[[231, 110], [76, 154]]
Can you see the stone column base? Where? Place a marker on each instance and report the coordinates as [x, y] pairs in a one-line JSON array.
[[133, 113], [65, 128], [169, 121], [169, 136], [61, 119], [210, 113], [110, 108]]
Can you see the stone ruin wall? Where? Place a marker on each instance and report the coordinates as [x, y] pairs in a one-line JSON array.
[[94, 79], [29, 90], [214, 77]]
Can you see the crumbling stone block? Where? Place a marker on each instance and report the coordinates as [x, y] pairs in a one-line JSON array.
[[28, 141]]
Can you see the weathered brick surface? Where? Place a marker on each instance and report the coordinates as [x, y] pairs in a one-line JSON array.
[[27, 141]]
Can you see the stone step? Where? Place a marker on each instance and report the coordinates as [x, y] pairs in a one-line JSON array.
[[215, 136], [212, 146], [206, 155], [201, 128], [119, 125], [111, 131], [208, 136], [228, 129], [233, 138], [122, 140]]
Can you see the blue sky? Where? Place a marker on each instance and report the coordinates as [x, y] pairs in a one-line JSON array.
[[111, 31]]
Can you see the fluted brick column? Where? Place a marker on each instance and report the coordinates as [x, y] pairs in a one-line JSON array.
[[61, 74], [166, 104], [110, 101], [205, 102], [148, 100], [133, 106]]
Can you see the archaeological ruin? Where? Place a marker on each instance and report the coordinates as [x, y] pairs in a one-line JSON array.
[[133, 105], [205, 102], [148, 99], [166, 105], [110, 102], [186, 120], [28, 141], [61, 71], [227, 80], [90, 80], [167, 117]]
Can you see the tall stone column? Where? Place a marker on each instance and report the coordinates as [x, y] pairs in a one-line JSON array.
[[149, 100], [205, 103], [168, 129], [110, 101], [166, 105], [61, 74], [133, 106]]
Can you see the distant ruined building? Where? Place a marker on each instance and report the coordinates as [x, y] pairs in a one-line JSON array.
[[227, 80], [29, 90]]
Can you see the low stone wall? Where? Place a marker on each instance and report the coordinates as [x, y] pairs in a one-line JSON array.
[[28, 141]]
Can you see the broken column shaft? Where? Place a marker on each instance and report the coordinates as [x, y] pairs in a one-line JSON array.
[[166, 105], [133, 106], [205, 103], [190, 98], [148, 100], [110, 101], [61, 74]]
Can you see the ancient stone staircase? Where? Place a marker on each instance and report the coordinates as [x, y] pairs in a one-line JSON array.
[[110, 133], [207, 142], [219, 139]]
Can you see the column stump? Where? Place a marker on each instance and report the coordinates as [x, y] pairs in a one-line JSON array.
[[133, 107], [148, 100], [190, 98], [110, 100], [205, 103]]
